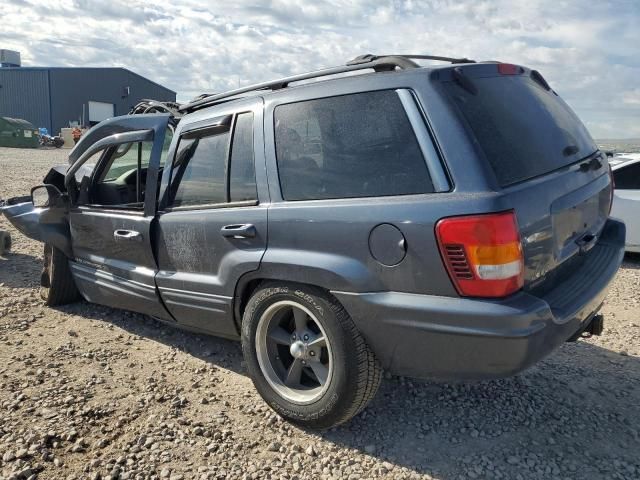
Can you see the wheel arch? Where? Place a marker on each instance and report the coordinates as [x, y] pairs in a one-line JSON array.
[[322, 270], [251, 282]]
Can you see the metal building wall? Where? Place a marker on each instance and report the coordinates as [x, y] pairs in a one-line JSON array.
[[144, 88], [24, 93], [73, 88], [52, 97]]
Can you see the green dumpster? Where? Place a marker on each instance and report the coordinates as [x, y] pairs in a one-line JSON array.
[[15, 132]]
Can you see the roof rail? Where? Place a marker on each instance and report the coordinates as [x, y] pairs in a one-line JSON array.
[[379, 63], [369, 58]]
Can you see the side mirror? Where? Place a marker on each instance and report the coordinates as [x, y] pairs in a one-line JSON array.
[[46, 195]]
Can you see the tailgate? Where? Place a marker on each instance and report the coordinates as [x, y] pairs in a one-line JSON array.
[[560, 216]]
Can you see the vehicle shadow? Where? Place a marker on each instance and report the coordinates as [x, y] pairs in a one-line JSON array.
[[631, 260], [218, 351], [18, 270], [580, 403]]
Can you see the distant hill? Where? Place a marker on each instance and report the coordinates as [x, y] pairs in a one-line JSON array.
[[618, 140], [617, 145]]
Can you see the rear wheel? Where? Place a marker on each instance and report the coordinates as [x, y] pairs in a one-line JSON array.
[[57, 285], [306, 357]]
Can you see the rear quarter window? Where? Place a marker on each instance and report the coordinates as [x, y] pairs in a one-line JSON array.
[[359, 145], [242, 177]]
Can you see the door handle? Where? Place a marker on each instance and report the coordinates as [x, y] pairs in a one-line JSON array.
[[127, 235], [246, 230]]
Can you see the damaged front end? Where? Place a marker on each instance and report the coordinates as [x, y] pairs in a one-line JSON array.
[[46, 218], [37, 222], [43, 215]]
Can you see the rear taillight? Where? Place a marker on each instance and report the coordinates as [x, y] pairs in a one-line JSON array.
[[509, 69], [482, 253]]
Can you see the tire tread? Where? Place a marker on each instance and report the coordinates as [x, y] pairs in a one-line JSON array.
[[369, 370], [62, 288]]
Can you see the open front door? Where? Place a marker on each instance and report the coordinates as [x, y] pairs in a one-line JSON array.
[[113, 188]]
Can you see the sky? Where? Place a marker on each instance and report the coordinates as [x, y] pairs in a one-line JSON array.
[[589, 51]]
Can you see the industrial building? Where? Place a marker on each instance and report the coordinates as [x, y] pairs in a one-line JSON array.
[[58, 97]]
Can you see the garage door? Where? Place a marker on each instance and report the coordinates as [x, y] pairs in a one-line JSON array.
[[99, 111]]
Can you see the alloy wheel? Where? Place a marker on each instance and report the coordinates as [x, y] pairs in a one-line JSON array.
[[294, 352]]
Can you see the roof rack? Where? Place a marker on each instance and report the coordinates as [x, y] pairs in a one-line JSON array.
[[379, 63], [147, 105], [369, 58]]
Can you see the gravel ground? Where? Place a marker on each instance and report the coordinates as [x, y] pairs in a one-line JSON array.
[[92, 392]]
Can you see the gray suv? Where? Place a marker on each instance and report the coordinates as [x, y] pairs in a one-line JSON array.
[[446, 222]]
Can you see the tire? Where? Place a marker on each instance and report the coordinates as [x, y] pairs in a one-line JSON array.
[[5, 242], [351, 370], [57, 285]]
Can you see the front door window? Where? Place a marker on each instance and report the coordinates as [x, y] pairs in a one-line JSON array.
[[121, 178]]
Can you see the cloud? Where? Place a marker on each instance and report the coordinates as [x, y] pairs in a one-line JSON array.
[[120, 11], [588, 51]]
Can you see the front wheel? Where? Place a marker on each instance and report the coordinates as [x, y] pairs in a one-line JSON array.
[[57, 285], [305, 356]]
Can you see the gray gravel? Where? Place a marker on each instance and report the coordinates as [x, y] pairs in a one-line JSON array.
[[92, 392]]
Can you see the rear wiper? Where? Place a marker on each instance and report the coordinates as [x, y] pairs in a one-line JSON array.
[[594, 164]]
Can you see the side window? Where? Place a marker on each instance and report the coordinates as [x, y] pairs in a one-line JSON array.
[[125, 159], [198, 172], [207, 170], [168, 136], [628, 178], [242, 178], [121, 176], [83, 177], [359, 145]]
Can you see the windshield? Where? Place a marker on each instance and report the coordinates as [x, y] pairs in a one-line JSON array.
[[524, 130]]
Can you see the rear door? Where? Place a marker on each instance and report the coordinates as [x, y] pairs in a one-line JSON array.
[[112, 212], [212, 224]]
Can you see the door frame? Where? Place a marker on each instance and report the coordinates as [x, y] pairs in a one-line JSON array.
[[127, 130]]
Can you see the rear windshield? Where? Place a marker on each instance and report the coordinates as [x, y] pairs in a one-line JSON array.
[[524, 130]]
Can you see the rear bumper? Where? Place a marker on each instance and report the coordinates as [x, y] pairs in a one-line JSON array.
[[460, 338]]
